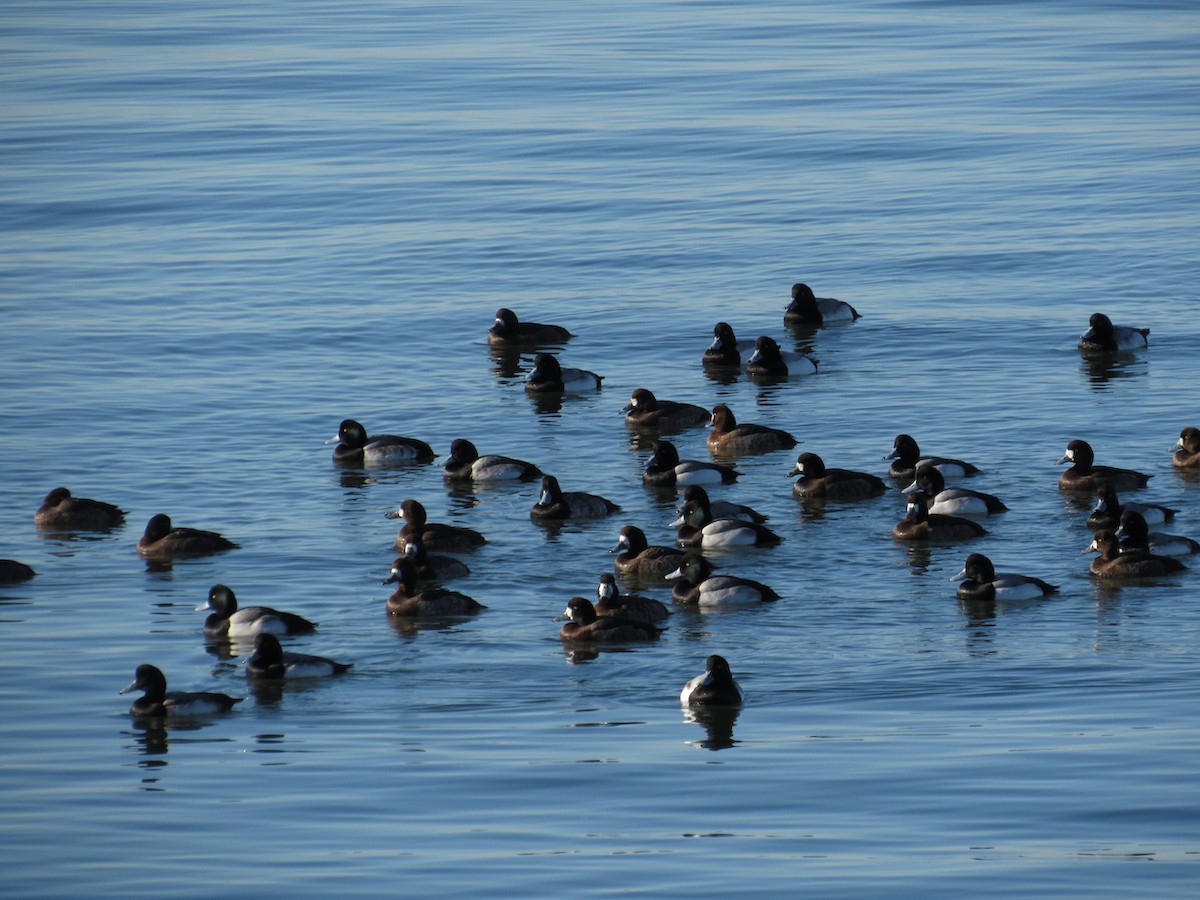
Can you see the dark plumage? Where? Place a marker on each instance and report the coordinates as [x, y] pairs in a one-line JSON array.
[[162, 540], [697, 528], [1113, 563], [435, 535], [508, 331], [408, 601], [696, 585], [835, 484], [727, 436], [1135, 535], [611, 602], [585, 625], [62, 512], [227, 620], [666, 469], [981, 583], [720, 509], [555, 503], [433, 566], [768, 360], [157, 701], [465, 464], [549, 376], [907, 456], [952, 501], [1187, 449], [644, 410], [1108, 510], [1084, 475], [637, 557], [1103, 336], [921, 525], [715, 687], [807, 309], [356, 448], [723, 351], [12, 571]]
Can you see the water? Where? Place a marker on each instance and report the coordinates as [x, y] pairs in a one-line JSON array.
[[231, 226]]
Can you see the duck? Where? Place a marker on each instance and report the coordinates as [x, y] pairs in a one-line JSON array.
[[720, 509], [356, 448], [1085, 476], [808, 309], [1109, 508], [697, 528], [555, 503], [548, 376], [465, 464], [162, 539], [952, 501], [157, 701], [1113, 563], [768, 360], [715, 686], [227, 620], [697, 586], [1135, 534], [644, 410], [665, 469], [921, 525], [13, 571], [62, 512], [1187, 449], [727, 436], [507, 331], [835, 484], [611, 602], [433, 566], [981, 582], [907, 455], [1102, 336], [435, 535], [640, 558], [585, 625], [723, 351], [408, 601], [270, 660]]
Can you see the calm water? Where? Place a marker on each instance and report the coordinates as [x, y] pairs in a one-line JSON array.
[[229, 226]]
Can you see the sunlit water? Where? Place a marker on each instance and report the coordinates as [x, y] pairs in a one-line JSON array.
[[228, 227]]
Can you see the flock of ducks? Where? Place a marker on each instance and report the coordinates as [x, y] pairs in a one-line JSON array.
[[1126, 547]]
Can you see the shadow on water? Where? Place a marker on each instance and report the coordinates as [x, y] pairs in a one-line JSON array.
[[717, 722], [1100, 369]]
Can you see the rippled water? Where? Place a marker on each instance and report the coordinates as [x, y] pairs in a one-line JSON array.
[[230, 226]]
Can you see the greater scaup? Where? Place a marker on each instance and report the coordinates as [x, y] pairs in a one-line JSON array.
[[644, 410], [942, 500], [12, 571], [1102, 336], [507, 330], [1113, 563], [728, 437], [920, 525], [1187, 449], [227, 620], [433, 566], [162, 540], [1085, 476], [1135, 534], [981, 582], [585, 625], [807, 309], [435, 535], [356, 448], [723, 351], [768, 360], [836, 484], [715, 687], [611, 602], [62, 512], [1107, 513], [720, 509], [408, 601], [157, 701], [269, 660], [697, 586], [465, 464], [549, 376], [907, 456], [697, 528], [665, 469], [637, 557], [555, 503]]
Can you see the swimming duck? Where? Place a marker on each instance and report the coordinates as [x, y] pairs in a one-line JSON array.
[[727, 436], [433, 566], [356, 448], [836, 484], [162, 540], [715, 687], [548, 376], [1107, 514], [720, 509], [768, 360], [269, 660], [907, 456], [554, 503], [611, 602], [807, 309], [981, 582], [1135, 535], [952, 501], [585, 625], [1113, 563], [921, 525], [697, 528], [227, 620], [408, 601], [644, 410], [157, 701], [12, 571], [62, 512], [696, 585], [637, 557], [1103, 336], [723, 351], [664, 469], [1187, 449], [435, 535], [1084, 476], [507, 331], [465, 464]]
